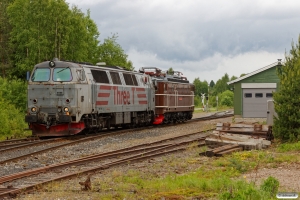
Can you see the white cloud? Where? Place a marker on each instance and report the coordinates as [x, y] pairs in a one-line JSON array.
[[201, 38], [210, 68]]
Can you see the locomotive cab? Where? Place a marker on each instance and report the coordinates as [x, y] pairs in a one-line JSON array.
[[53, 104]]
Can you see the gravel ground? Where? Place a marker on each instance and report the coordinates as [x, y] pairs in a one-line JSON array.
[[30, 149], [287, 174], [121, 141], [97, 146]]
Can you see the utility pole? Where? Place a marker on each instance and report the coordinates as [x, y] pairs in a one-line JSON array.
[[207, 108]]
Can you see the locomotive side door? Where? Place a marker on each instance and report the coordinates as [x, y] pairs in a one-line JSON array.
[[151, 94], [83, 92], [90, 93]]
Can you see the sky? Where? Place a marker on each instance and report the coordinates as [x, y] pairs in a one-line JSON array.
[[201, 38]]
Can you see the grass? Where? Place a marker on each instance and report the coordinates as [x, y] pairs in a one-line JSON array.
[[211, 109], [286, 147], [201, 184], [16, 135], [182, 177]]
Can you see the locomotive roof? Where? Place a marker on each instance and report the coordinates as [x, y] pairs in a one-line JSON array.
[[171, 79], [160, 75], [82, 64]]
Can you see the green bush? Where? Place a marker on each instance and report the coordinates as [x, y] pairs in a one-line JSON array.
[[270, 186], [226, 98], [12, 121], [14, 92], [12, 106], [197, 101]]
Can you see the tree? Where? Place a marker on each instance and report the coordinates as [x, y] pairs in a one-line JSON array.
[[91, 36], [42, 30], [287, 124], [83, 40], [221, 85], [5, 29], [112, 53], [170, 71], [233, 78], [212, 84], [200, 87]]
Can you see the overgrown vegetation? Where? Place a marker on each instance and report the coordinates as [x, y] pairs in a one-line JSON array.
[[287, 125], [13, 91], [189, 177], [286, 147], [12, 108]]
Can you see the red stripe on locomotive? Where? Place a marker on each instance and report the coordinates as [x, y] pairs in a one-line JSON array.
[[143, 102], [100, 103], [140, 89], [105, 87], [141, 95], [103, 94]]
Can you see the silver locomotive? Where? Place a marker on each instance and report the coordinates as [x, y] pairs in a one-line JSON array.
[[66, 98]]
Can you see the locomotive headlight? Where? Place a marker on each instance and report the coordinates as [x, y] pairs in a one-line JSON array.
[[35, 101], [67, 100], [33, 109], [52, 63], [66, 109]]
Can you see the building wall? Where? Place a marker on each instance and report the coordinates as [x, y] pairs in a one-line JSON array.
[[267, 76]]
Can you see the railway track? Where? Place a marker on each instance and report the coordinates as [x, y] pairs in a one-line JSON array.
[[76, 140], [58, 171], [17, 141], [15, 146], [15, 183]]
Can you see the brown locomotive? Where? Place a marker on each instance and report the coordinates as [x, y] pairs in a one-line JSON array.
[[174, 96]]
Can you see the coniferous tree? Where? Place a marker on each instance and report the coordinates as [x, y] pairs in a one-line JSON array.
[[212, 84], [287, 99]]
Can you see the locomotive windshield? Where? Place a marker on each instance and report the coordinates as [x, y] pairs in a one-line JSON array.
[[41, 75], [62, 74]]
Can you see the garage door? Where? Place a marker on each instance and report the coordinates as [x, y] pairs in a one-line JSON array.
[[255, 101]]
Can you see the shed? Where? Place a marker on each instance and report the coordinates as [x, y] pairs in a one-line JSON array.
[[254, 90]]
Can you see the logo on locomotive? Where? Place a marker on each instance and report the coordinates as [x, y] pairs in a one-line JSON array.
[[121, 96]]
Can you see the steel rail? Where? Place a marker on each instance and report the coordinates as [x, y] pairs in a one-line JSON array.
[[214, 116], [13, 141], [149, 153], [13, 147], [141, 147]]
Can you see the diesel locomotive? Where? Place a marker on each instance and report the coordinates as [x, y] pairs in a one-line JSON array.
[[67, 98]]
